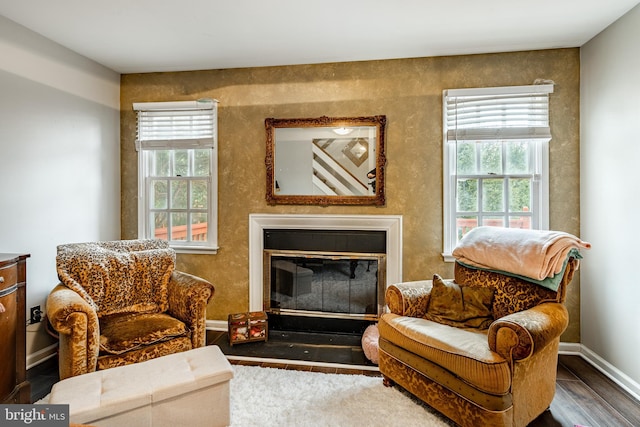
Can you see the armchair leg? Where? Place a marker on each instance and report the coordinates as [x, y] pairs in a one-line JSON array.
[[387, 382]]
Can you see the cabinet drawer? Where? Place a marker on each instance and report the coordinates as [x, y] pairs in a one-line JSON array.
[[8, 276]]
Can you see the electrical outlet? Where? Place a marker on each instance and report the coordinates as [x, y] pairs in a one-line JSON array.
[[36, 315]]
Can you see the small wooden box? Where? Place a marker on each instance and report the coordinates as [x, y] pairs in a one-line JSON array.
[[248, 327]]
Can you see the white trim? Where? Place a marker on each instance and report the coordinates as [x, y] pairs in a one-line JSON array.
[[500, 90], [42, 355], [607, 369], [392, 224], [199, 104], [216, 325]]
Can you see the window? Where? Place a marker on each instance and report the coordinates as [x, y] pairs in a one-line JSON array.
[[177, 173], [496, 151]]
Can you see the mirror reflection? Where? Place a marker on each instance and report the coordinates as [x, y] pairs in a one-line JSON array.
[[325, 160]]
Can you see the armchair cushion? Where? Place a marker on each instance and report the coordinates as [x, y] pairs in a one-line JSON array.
[[460, 306], [129, 276], [464, 352], [124, 332]]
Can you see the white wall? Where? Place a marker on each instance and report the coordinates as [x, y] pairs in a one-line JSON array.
[[59, 152], [610, 198]]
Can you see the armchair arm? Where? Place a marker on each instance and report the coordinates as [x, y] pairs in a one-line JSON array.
[[409, 298], [188, 299], [79, 331], [519, 335]]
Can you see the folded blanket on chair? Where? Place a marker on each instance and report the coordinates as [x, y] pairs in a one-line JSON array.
[[537, 254]]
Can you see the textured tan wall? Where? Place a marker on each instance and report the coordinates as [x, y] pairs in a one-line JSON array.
[[408, 92]]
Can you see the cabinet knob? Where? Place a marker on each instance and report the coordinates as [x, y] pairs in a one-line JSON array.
[[1, 279], [2, 309]]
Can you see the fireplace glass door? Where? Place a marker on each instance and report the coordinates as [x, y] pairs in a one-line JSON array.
[[325, 284]]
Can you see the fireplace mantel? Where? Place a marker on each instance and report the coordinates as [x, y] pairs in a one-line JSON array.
[[391, 224]]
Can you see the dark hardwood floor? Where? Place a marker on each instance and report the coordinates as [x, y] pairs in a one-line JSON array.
[[584, 396]]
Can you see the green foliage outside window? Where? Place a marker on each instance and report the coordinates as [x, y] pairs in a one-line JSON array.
[[494, 178]]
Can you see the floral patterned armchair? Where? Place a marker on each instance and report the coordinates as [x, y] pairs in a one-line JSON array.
[[123, 302], [482, 348]]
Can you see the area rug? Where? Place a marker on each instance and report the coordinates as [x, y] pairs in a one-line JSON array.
[[277, 397]]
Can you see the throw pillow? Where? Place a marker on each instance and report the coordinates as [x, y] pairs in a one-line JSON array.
[[460, 306]]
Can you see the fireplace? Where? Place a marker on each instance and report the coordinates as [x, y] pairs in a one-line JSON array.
[[324, 273], [312, 269]]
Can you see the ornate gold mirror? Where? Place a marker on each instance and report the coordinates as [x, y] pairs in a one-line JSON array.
[[326, 160]]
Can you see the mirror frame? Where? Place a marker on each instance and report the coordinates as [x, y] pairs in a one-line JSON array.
[[377, 199]]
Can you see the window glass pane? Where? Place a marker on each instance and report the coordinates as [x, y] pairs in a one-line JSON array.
[[493, 195], [201, 162], [520, 222], [199, 194], [519, 195], [464, 224], [491, 158], [493, 221], [199, 227], [178, 194], [160, 162], [159, 194], [467, 195], [160, 222], [181, 162], [178, 226], [466, 160], [517, 161]]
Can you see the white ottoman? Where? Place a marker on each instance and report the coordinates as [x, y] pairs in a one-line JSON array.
[[183, 389]]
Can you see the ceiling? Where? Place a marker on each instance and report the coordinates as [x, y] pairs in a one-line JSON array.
[[137, 36]]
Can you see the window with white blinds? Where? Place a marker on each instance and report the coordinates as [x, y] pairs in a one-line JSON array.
[[495, 159], [177, 166]]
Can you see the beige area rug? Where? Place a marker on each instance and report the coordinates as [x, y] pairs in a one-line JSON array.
[[277, 397]]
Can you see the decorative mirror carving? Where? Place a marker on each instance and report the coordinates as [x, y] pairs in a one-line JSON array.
[[326, 160]]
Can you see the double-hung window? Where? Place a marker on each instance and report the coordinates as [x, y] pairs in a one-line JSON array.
[[496, 156], [177, 173]]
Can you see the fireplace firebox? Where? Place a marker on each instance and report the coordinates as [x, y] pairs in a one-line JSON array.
[[324, 276]]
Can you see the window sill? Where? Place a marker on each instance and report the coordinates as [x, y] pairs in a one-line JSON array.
[[194, 251], [448, 258]]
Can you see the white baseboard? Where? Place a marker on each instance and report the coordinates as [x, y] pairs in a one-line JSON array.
[[41, 355], [217, 325], [607, 369]]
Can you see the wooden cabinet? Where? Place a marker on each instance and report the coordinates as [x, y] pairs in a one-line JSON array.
[[14, 387]]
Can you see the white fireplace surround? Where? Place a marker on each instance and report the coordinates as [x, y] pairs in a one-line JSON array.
[[391, 224]]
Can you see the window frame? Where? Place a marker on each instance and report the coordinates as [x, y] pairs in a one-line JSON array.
[[145, 146], [538, 156]]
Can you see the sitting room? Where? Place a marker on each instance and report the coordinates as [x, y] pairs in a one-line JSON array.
[[266, 214]]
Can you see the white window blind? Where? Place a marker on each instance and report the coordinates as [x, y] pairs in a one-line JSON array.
[[515, 112], [187, 124]]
